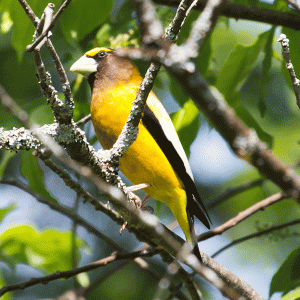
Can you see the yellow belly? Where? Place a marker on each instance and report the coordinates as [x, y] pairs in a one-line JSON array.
[[144, 161]]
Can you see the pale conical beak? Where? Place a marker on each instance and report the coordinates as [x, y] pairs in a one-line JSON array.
[[84, 65]]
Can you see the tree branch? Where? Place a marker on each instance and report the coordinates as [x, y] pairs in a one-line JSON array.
[[63, 113], [286, 55], [230, 192], [68, 213], [242, 140], [294, 4], [29, 12], [73, 272], [242, 216], [48, 27], [254, 235], [145, 8], [147, 228], [245, 12], [174, 268]]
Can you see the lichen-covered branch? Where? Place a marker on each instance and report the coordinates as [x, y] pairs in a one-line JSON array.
[[48, 26], [286, 55], [62, 112]]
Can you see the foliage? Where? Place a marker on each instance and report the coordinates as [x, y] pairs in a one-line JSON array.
[[287, 277], [242, 62]]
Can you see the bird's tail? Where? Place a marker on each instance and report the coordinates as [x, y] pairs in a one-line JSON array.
[[193, 240], [185, 216]]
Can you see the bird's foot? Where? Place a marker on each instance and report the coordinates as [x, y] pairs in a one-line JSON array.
[[139, 203], [137, 200], [146, 208], [123, 226]]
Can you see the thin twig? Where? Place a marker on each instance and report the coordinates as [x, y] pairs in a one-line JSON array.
[[242, 140], [178, 20], [146, 17], [65, 211], [203, 26], [49, 27], [294, 4], [45, 20], [242, 216], [286, 55], [67, 109], [84, 120], [174, 268], [230, 192], [148, 228], [63, 113], [74, 249], [255, 235], [30, 13], [73, 272], [47, 88], [130, 130], [64, 175], [8, 102]]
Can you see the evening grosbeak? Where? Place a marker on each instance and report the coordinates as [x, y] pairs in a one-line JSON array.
[[157, 156]]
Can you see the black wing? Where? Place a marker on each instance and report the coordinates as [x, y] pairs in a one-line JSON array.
[[154, 127]]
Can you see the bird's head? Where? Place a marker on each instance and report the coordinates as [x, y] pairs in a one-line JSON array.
[[103, 64], [93, 61]]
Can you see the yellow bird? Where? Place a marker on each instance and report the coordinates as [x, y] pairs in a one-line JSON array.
[[157, 156]]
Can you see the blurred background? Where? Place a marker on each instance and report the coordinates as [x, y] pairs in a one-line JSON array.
[[240, 58]]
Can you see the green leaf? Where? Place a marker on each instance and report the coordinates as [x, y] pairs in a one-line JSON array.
[[93, 139], [121, 33], [237, 68], [5, 157], [287, 277], [186, 122], [203, 59], [281, 5], [82, 16], [6, 22], [295, 295], [23, 29], [179, 95], [187, 26], [42, 115], [252, 123], [32, 172], [48, 250], [83, 279], [6, 210], [12, 167], [266, 66]]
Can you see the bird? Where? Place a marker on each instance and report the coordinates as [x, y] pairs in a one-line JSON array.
[[156, 157]]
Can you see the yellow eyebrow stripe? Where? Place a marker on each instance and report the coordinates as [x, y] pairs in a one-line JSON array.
[[94, 51]]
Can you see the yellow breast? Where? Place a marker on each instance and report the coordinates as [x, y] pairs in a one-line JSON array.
[[144, 162]]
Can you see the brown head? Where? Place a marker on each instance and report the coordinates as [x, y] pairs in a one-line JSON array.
[[104, 68]]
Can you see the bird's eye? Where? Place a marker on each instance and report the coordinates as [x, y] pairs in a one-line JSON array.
[[101, 54]]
